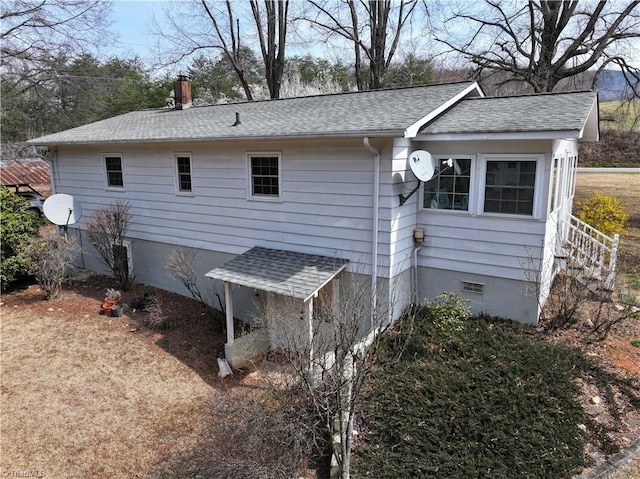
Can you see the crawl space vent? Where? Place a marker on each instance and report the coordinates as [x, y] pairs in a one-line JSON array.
[[468, 287]]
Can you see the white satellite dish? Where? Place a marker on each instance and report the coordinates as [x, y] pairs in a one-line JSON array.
[[422, 165], [62, 209]]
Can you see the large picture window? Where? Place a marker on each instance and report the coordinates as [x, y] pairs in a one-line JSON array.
[[264, 175], [449, 188], [509, 187], [113, 167], [183, 172]]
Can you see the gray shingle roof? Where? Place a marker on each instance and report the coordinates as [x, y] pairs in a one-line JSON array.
[[527, 113], [298, 275], [377, 112]]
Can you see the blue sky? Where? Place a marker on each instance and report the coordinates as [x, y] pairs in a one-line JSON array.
[[132, 22]]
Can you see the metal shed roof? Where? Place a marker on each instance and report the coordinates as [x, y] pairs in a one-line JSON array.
[[289, 273]]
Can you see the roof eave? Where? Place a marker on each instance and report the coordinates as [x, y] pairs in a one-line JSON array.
[[309, 136], [505, 135], [591, 128]]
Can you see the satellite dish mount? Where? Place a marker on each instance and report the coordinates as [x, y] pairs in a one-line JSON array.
[[62, 210], [423, 167]]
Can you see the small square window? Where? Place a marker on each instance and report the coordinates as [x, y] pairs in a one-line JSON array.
[[265, 176], [450, 186], [509, 187], [113, 168]]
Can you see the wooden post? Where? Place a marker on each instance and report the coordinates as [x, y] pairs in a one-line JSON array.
[[228, 304], [308, 315]]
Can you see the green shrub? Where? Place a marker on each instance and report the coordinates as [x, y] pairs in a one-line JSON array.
[[604, 213], [449, 311], [17, 227]]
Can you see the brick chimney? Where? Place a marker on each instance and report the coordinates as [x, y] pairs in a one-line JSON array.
[[182, 92]]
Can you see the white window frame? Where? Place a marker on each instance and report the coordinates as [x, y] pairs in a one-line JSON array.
[[473, 181], [184, 154], [538, 200], [263, 154], [106, 172]]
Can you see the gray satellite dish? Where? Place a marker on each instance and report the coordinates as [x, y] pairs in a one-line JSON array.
[[422, 164], [62, 209]]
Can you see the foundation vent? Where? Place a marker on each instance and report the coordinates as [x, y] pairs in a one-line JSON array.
[[476, 288]]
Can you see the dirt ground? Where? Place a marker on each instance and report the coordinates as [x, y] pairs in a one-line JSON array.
[[87, 395]]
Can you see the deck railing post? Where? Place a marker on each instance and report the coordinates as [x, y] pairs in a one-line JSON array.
[[613, 258]]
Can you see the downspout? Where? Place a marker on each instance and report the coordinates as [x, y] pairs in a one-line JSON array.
[[416, 297], [374, 232]]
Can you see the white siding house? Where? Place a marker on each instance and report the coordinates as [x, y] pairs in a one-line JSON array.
[[323, 176]]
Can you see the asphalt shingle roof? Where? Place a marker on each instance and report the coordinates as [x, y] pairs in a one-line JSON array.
[[338, 115], [527, 113], [298, 275]]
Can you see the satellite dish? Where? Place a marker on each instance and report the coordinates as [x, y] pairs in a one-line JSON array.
[[62, 209], [421, 163]]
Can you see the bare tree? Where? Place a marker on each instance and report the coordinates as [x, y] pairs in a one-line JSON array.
[[372, 27], [330, 354], [181, 265], [107, 232], [32, 32], [273, 41], [208, 25], [545, 42]]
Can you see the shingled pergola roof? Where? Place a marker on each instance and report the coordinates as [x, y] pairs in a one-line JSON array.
[[554, 112], [288, 273], [368, 113]]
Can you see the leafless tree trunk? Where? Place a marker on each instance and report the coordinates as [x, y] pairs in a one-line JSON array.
[[331, 352], [384, 20], [191, 25], [229, 43], [272, 44], [544, 42]]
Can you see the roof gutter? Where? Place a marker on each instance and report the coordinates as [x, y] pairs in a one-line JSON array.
[[309, 136], [375, 227]]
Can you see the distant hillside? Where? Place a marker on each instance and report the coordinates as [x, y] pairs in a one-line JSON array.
[[616, 148], [612, 85]]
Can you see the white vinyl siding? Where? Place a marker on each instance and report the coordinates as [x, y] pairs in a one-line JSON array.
[[328, 191]]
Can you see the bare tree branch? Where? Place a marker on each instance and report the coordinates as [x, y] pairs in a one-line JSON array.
[[546, 42], [384, 22]]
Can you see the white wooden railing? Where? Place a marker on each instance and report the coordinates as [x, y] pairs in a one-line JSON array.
[[591, 251]]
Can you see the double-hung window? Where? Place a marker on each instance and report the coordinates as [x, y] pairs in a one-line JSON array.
[[264, 175], [510, 187], [183, 173], [450, 186], [113, 169]]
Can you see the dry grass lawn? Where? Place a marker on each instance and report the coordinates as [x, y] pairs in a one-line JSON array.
[[85, 395]]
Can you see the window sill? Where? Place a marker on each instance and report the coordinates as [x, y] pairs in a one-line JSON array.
[[267, 199]]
